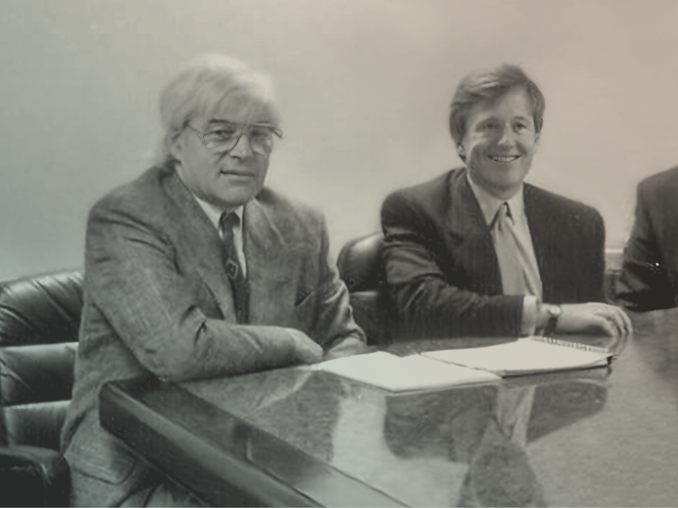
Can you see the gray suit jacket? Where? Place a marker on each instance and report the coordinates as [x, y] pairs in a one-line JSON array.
[[157, 300]]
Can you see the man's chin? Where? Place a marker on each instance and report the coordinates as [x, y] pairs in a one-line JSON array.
[[234, 200], [503, 188]]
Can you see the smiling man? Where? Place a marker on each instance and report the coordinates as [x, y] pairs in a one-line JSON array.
[[195, 270], [478, 252]]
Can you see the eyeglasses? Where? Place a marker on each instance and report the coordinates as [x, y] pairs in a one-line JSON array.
[[223, 137]]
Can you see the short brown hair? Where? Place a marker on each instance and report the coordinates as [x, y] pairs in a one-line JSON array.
[[489, 84]]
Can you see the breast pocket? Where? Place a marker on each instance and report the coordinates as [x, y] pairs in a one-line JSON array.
[[303, 296], [305, 310], [205, 299]]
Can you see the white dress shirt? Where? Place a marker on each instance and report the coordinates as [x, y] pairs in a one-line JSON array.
[[214, 214]]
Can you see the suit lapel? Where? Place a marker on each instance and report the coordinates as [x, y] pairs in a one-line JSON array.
[[202, 243], [471, 239], [547, 228], [465, 218], [272, 265]]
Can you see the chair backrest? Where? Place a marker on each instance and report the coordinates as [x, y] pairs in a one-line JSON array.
[[613, 269], [361, 269], [39, 322], [360, 265]]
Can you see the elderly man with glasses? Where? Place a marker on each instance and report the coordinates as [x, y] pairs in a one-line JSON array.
[[195, 270]]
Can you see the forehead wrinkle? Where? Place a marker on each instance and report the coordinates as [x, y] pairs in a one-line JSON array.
[[244, 104], [213, 121], [220, 120]]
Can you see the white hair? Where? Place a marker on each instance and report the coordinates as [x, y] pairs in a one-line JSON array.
[[201, 87]]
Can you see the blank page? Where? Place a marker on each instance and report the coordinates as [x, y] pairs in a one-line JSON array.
[[524, 356], [394, 373]]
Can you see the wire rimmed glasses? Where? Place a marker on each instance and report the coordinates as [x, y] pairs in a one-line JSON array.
[[223, 137]]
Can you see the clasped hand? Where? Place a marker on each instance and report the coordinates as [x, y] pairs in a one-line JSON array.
[[308, 351]]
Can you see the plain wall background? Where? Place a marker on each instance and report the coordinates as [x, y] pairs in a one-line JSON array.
[[364, 86]]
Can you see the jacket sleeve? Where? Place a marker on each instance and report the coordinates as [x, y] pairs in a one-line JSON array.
[[334, 328], [427, 300], [134, 281], [643, 284]]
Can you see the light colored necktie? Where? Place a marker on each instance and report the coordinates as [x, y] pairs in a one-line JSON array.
[[239, 285], [514, 409], [512, 277]]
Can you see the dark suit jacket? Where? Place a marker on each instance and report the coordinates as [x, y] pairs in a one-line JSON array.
[[649, 278], [443, 273], [157, 300]]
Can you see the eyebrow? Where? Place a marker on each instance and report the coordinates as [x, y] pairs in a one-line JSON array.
[[223, 121], [497, 119]]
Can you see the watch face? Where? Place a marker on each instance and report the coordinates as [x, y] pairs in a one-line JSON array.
[[555, 310]]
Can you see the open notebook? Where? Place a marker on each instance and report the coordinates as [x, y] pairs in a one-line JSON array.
[[526, 356], [397, 374]]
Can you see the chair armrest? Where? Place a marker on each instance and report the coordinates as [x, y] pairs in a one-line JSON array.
[[33, 476], [370, 312]]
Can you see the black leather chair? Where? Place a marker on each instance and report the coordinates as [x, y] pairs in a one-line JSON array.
[[39, 320], [613, 269], [361, 269]]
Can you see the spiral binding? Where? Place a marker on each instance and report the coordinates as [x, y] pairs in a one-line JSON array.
[[567, 343]]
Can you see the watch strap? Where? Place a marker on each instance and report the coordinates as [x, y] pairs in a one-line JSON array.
[[554, 313]]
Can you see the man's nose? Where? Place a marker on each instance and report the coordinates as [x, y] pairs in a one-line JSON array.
[[506, 137], [242, 148]]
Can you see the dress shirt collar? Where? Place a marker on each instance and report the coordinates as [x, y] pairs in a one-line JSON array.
[[490, 204], [214, 213]]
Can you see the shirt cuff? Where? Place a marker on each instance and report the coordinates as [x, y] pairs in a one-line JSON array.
[[528, 324]]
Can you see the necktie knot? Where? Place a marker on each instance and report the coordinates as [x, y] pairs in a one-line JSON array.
[[228, 222], [502, 216], [507, 210]]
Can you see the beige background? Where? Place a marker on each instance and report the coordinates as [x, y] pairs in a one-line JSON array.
[[364, 86]]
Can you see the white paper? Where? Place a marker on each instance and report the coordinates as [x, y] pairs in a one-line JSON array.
[[395, 373], [521, 357]]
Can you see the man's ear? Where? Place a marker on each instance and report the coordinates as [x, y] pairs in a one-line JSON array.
[[460, 150], [536, 143], [176, 146]]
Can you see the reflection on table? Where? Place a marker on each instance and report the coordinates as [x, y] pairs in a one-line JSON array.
[[598, 437]]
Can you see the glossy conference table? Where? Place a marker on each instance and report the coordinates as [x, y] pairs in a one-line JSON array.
[[598, 437]]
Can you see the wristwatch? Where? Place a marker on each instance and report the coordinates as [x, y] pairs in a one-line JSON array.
[[554, 312]]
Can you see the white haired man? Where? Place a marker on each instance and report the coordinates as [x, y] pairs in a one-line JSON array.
[[195, 270]]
